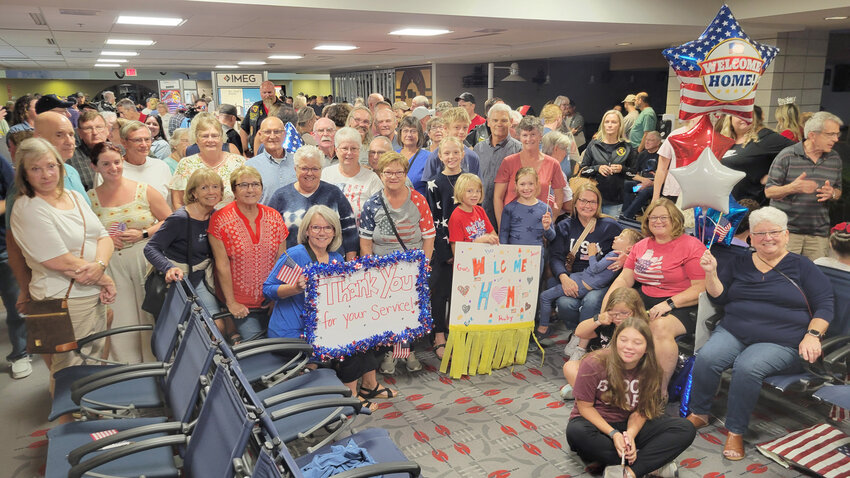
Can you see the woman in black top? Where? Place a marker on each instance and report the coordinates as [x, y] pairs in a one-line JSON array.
[[606, 159]]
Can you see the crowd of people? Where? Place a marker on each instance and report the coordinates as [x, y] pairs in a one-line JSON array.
[[95, 203]]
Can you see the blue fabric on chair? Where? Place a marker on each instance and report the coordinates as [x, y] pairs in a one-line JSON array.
[[840, 280], [265, 467], [835, 394], [376, 441], [340, 458], [782, 382]]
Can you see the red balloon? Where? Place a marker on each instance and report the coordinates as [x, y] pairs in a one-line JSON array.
[[690, 144]]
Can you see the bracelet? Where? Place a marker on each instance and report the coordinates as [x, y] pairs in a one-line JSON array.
[[613, 432], [101, 264]]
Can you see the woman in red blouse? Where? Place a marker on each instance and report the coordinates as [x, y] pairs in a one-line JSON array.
[[246, 239]]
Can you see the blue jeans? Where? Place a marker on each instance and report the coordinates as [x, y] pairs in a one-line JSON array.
[[612, 210], [633, 203], [254, 325], [206, 298], [571, 311], [14, 322], [750, 365]]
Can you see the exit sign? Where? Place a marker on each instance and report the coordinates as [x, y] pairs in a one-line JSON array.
[[130, 71]]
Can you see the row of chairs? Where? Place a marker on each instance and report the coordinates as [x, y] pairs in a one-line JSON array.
[[233, 410]]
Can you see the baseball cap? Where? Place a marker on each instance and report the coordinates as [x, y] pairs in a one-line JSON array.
[[630, 99], [466, 96], [401, 105], [420, 112], [227, 110], [48, 102]]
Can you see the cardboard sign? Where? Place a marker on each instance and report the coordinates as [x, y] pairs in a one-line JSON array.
[[369, 302]]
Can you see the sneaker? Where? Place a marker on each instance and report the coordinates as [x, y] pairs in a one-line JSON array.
[[413, 364], [22, 367], [670, 470], [388, 364], [569, 349], [567, 392]]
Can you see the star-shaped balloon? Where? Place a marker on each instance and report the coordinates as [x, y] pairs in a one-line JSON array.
[[720, 70], [706, 182], [689, 145]]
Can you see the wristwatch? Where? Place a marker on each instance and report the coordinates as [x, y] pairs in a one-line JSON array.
[[670, 302], [596, 319], [815, 333], [145, 234], [101, 264]]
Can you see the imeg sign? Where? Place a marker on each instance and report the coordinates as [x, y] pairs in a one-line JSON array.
[[240, 80]]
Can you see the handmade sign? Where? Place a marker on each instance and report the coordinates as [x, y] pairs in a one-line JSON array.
[[369, 302], [494, 298]]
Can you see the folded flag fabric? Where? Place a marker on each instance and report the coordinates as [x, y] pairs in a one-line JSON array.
[[290, 271], [821, 449]]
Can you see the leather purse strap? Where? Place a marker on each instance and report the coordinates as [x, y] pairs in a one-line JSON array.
[[590, 225], [392, 223]]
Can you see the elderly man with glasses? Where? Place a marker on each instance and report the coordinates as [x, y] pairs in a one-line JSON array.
[[276, 166]]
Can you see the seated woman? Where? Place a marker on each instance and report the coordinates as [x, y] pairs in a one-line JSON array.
[[318, 238], [666, 265], [775, 310], [619, 409], [839, 248]]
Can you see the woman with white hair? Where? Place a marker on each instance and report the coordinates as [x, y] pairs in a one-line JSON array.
[[293, 200], [776, 310], [357, 183], [178, 141]]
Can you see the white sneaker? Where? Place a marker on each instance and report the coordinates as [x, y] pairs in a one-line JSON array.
[[567, 392], [22, 367], [670, 470], [413, 364], [569, 349], [388, 364]]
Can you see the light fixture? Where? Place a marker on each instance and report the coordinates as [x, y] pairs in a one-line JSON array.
[[149, 21], [107, 65], [514, 73], [335, 47], [625, 43], [225, 67], [112, 60], [119, 53], [251, 63], [421, 32], [836, 18], [118, 41], [286, 57]]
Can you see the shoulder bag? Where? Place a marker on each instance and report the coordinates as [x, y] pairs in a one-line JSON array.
[[571, 257], [392, 223]]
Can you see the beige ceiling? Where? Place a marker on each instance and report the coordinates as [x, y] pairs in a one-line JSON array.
[[219, 32]]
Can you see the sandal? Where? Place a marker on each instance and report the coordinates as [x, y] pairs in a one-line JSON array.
[[439, 347], [697, 421], [734, 448], [234, 338], [369, 393], [365, 403]]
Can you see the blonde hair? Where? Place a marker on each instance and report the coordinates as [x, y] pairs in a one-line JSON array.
[[202, 122], [588, 187], [456, 115], [550, 113], [328, 215], [788, 117], [391, 157], [528, 172], [34, 149], [244, 170], [600, 133], [463, 182], [677, 220], [752, 134], [199, 178]]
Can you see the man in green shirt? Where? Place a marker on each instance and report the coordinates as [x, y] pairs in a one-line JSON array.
[[645, 122]]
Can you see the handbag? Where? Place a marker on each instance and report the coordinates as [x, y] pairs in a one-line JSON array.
[[155, 285], [49, 327], [571, 256]]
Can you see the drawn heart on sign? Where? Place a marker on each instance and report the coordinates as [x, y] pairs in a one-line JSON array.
[[499, 294], [527, 306], [466, 308], [463, 289]]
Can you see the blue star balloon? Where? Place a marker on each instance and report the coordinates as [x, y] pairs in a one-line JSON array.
[[720, 70]]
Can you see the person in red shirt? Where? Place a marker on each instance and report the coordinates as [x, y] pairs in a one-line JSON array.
[[469, 222]]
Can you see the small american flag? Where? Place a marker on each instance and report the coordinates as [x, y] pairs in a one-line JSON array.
[[722, 229], [822, 449], [103, 434], [401, 350], [293, 140], [116, 228], [550, 198], [290, 271]]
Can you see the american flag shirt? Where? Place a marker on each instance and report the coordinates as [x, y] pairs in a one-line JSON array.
[[413, 221]]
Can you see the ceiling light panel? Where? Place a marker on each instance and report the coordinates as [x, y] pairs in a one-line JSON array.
[[286, 57], [421, 32], [119, 41], [335, 47], [119, 53], [149, 21]]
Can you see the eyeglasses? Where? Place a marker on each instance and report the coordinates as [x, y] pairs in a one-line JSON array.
[[619, 315], [274, 132], [309, 170], [140, 140], [50, 168], [393, 174], [209, 136], [348, 149], [318, 229], [585, 201], [767, 234], [830, 135], [254, 185], [661, 219]]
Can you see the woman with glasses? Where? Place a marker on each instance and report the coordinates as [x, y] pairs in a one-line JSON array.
[[208, 134], [246, 238], [413, 142], [293, 200], [568, 255], [776, 309], [666, 265], [131, 211]]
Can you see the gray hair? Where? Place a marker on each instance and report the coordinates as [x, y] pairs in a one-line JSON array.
[[530, 123], [176, 136], [555, 139], [347, 133], [499, 107], [421, 101], [770, 214], [126, 103], [109, 116], [309, 151], [516, 116], [384, 140], [815, 123], [131, 127], [328, 215], [109, 93], [654, 133]]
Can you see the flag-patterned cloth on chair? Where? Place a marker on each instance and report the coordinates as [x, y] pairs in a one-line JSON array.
[[822, 449]]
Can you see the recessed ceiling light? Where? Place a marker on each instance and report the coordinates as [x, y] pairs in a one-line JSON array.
[[335, 47], [226, 67], [251, 63], [119, 53], [107, 65], [286, 57], [836, 18], [118, 41], [421, 32], [625, 43], [112, 60], [150, 21]]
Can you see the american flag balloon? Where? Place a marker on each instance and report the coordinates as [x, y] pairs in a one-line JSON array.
[[293, 140], [720, 70]]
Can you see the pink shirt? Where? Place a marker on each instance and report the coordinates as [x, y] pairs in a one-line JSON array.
[[549, 174], [664, 270]]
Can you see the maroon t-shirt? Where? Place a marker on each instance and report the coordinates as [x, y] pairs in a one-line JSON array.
[[592, 382]]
